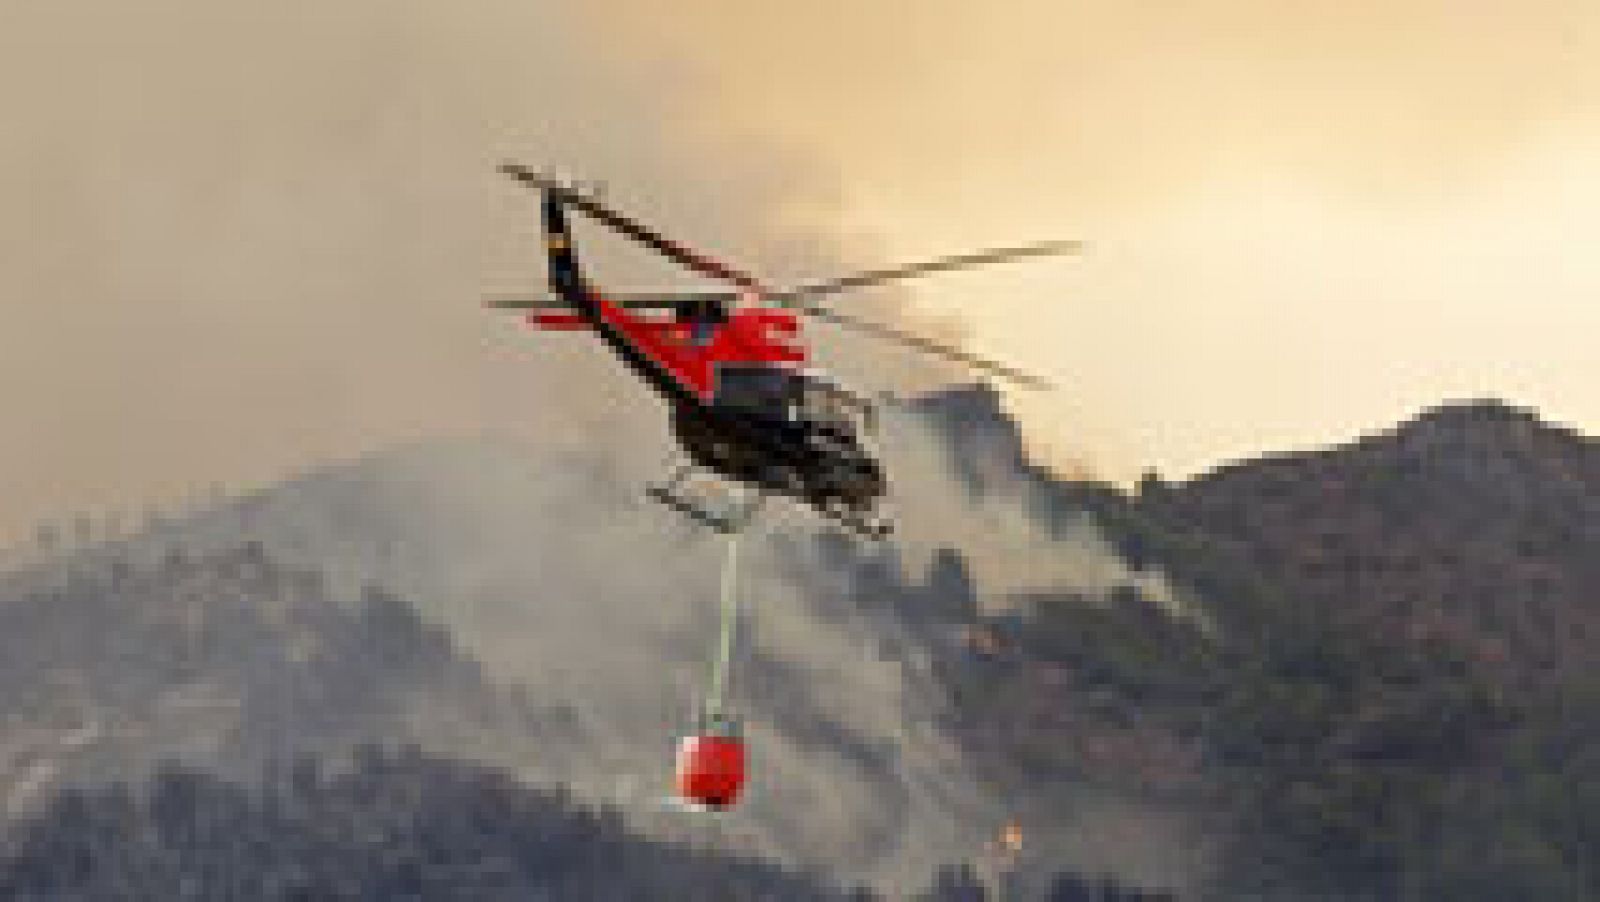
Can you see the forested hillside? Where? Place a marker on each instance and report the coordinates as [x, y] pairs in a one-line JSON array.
[[386, 825], [1390, 695], [1355, 673]]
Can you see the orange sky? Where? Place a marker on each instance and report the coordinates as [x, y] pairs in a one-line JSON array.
[[1308, 220], [240, 238]]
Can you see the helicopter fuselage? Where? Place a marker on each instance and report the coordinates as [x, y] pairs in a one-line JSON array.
[[730, 363], [822, 463], [742, 404]]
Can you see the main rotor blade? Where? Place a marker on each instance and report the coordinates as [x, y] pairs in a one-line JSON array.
[[941, 264], [499, 303], [926, 345], [637, 231], [662, 300]]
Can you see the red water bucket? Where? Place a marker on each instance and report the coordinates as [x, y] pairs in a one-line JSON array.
[[710, 769]]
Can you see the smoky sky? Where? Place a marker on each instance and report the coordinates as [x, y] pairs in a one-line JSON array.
[[1305, 220], [239, 239]]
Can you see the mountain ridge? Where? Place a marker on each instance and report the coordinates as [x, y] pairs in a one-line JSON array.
[[1403, 611]]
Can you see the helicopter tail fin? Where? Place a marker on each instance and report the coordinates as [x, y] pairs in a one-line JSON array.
[[566, 275]]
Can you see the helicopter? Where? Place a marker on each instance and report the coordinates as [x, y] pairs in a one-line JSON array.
[[746, 410]]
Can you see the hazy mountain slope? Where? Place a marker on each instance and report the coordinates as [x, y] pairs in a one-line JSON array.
[[1390, 696], [562, 579], [1474, 525], [552, 571], [1354, 673], [224, 658], [386, 826]]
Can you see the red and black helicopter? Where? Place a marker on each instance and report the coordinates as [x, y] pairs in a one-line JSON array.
[[745, 407]]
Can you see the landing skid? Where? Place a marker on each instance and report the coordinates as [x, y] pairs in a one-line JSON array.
[[705, 498], [679, 493]]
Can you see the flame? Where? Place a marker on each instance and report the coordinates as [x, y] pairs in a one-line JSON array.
[[982, 639], [1011, 837]]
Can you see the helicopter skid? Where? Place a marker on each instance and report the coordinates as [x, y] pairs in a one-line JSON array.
[[728, 508], [708, 500]]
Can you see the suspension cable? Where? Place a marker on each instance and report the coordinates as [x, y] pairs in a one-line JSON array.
[[716, 696]]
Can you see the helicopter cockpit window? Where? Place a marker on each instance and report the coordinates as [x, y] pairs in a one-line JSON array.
[[764, 390]]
